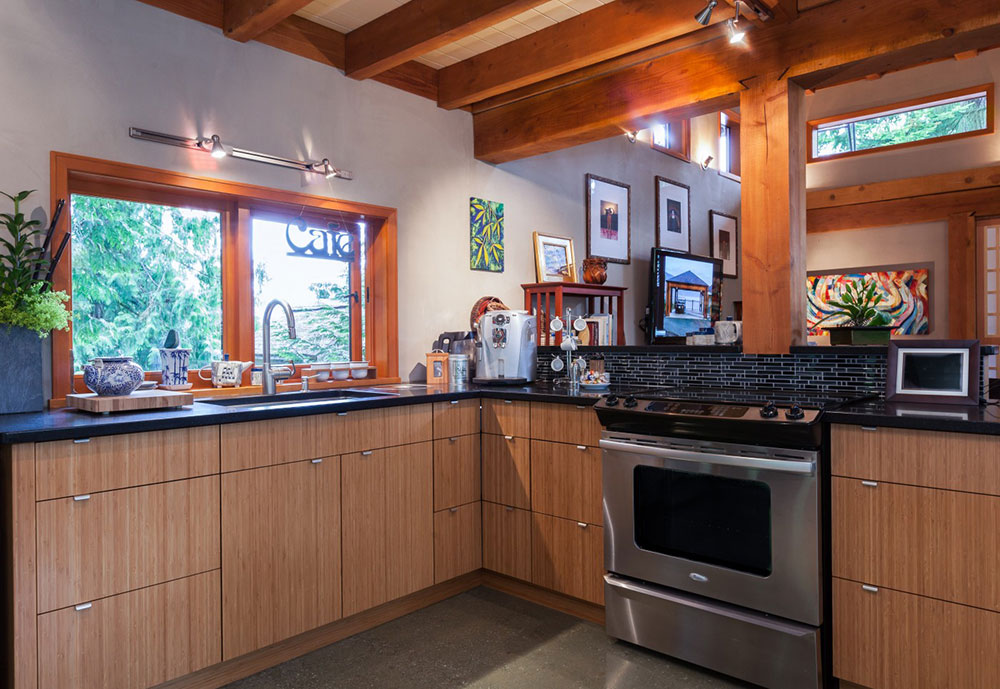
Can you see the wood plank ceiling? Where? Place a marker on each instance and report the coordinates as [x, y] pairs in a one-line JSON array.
[[540, 75]]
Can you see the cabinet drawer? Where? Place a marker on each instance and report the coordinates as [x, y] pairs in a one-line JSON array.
[[507, 417], [566, 481], [458, 541], [456, 471], [919, 540], [568, 557], [458, 417], [134, 640], [403, 426], [507, 540], [507, 470], [122, 540], [957, 461], [565, 423], [893, 640], [68, 467]]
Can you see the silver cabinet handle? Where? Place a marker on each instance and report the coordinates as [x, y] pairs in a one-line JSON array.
[[366, 453], [870, 484], [869, 428], [508, 402], [869, 589], [316, 461], [453, 439], [581, 406], [80, 498], [508, 508], [342, 413], [508, 437], [453, 402], [80, 441], [582, 525], [581, 447], [453, 510], [84, 606]]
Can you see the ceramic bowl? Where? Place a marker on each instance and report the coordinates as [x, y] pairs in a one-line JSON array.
[[359, 369], [113, 376], [341, 371]]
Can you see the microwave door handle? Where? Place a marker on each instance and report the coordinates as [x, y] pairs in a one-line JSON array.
[[763, 463]]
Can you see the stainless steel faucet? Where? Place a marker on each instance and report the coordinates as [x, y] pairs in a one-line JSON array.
[[269, 376]]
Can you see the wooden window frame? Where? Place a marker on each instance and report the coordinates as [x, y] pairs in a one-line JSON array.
[[683, 152], [891, 108], [237, 202], [733, 120]]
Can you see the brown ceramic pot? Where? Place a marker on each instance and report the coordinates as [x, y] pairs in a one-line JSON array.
[[595, 271]]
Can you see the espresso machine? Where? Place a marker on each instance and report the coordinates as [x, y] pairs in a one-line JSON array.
[[507, 348]]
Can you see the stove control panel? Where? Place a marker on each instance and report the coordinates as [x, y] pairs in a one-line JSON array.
[[768, 411]]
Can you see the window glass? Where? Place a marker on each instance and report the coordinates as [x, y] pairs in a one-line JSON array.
[[294, 264], [139, 270], [661, 135]]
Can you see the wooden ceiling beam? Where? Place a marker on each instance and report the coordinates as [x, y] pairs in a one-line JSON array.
[[244, 20], [420, 26], [941, 183], [826, 38], [600, 34]]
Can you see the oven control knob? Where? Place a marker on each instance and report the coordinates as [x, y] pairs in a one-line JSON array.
[[794, 413], [611, 401], [769, 411], [631, 402]]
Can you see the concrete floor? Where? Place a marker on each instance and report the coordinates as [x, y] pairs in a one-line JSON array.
[[485, 639]]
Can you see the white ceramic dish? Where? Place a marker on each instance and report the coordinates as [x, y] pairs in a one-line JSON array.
[[340, 371], [359, 370]]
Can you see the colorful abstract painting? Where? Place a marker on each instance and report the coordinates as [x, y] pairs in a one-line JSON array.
[[486, 244], [904, 297]]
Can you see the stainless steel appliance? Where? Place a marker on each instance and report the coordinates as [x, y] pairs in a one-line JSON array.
[[507, 348], [714, 531]]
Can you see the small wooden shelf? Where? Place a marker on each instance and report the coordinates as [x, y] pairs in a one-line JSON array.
[[545, 299]]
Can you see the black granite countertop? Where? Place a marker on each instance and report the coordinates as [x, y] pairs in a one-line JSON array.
[[982, 420], [66, 424]]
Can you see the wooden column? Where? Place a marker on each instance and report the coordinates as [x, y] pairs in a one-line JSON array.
[[773, 153], [962, 273]]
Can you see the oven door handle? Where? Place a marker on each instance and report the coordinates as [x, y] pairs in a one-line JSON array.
[[763, 463]]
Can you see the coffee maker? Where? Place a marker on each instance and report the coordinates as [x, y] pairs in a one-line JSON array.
[[507, 348]]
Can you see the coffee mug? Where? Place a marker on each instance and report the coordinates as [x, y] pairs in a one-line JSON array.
[[728, 332], [174, 366]]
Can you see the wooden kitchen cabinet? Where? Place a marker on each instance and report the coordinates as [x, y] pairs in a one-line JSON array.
[[507, 417], [568, 557], [94, 546], [892, 640], [133, 640], [388, 524], [458, 539], [576, 424], [456, 417], [457, 473], [566, 481], [507, 540], [281, 563], [412, 423], [507, 470]]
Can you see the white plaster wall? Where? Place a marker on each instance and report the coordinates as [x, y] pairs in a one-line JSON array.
[[77, 73]]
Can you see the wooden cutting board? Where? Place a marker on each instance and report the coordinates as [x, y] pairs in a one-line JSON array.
[[137, 401]]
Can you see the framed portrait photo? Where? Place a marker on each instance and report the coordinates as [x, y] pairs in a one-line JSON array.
[[673, 215], [933, 371], [725, 243], [609, 220], [554, 258]]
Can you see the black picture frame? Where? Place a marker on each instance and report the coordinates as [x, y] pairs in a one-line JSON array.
[[713, 250], [896, 389], [592, 226], [659, 182]]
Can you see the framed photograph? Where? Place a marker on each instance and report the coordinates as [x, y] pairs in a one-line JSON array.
[[554, 258], [725, 234], [933, 371], [673, 215], [609, 220]]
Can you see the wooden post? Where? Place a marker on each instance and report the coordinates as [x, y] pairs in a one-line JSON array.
[[773, 157], [963, 304]]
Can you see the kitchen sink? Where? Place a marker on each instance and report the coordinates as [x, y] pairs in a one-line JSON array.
[[298, 399]]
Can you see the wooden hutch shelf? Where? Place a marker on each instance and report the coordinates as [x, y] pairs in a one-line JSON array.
[[546, 299]]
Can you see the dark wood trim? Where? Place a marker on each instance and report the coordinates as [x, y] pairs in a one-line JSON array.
[[962, 180], [243, 20], [545, 597], [904, 211]]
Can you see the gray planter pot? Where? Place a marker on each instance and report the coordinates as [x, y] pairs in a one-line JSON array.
[[20, 371]]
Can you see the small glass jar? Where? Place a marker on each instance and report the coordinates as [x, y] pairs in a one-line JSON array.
[[458, 369]]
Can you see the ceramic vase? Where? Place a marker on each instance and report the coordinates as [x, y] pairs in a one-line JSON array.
[[20, 371], [174, 366], [113, 376], [595, 270]]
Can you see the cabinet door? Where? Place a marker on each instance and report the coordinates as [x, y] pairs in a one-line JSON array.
[[507, 417], [458, 539], [568, 557], [408, 424], [280, 552], [507, 540], [456, 471], [134, 640], [276, 441], [565, 423], [507, 470], [457, 417], [364, 514], [566, 481], [891, 640]]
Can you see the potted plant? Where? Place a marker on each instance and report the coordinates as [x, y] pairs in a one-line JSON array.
[[29, 309], [865, 324]]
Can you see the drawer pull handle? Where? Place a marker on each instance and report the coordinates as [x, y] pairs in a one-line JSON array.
[[453, 402], [508, 402], [81, 441], [581, 406], [80, 498], [84, 606], [869, 428], [870, 484], [342, 413], [581, 447], [508, 508], [508, 437], [452, 439], [366, 453], [453, 510], [582, 525], [316, 461], [869, 589]]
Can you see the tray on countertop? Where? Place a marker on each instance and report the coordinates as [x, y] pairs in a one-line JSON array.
[[137, 401]]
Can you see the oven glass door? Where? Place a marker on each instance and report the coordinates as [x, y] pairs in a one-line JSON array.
[[704, 518]]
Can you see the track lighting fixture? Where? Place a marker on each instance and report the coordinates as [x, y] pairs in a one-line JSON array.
[[705, 16], [736, 32], [708, 161], [325, 168], [631, 136], [218, 150]]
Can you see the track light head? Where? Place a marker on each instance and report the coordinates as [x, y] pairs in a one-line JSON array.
[[631, 136], [218, 150], [736, 32], [705, 16], [708, 161]]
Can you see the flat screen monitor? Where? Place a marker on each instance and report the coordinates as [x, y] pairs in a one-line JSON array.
[[685, 294]]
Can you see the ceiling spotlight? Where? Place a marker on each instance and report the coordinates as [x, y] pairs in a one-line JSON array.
[[736, 33], [705, 16], [708, 161], [325, 168], [218, 150], [631, 136]]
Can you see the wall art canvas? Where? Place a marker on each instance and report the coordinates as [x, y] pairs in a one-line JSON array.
[[905, 297], [673, 215], [486, 231], [725, 242], [609, 219]]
